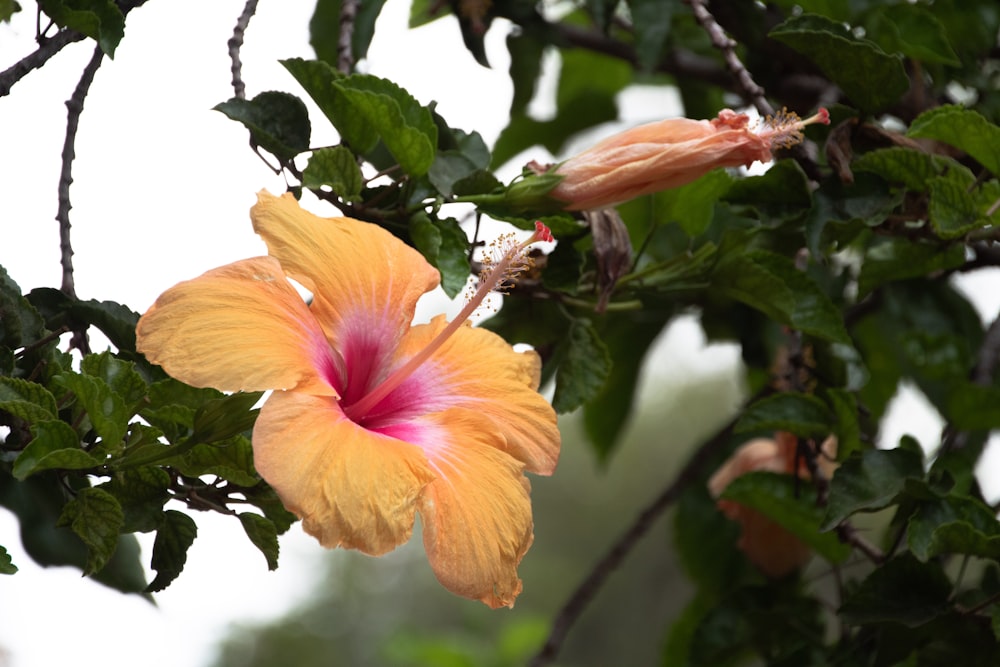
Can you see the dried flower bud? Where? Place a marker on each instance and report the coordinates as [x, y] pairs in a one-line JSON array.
[[670, 153]]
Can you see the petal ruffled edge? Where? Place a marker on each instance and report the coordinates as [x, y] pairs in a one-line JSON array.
[[240, 327], [351, 487], [476, 513]]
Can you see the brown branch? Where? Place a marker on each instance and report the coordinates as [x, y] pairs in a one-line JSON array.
[[235, 43], [588, 588], [39, 57], [74, 108], [345, 42], [753, 92]]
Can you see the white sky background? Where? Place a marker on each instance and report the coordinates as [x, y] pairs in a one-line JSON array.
[[162, 190]]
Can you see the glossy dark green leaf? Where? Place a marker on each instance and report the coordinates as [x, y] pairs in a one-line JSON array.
[[802, 414], [142, 492], [954, 525], [7, 9], [965, 129], [869, 76], [266, 500], [107, 410], [526, 49], [781, 193], [324, 28], [584, 367], [334, 170], [230, 459], [174, 537], [846, 424], [652, 20], [96, 517], [704, 539], [26, 400], [791, 504], [770, 283], [960, 205], [469, 156], [262, 533], [6, 564], [973, 407], [891, 258], [100, 20], [903, 591], [54, 445], [115, 321], [278, 122], [870, 480]]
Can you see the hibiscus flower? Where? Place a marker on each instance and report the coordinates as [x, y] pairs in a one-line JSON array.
[[371, 419]]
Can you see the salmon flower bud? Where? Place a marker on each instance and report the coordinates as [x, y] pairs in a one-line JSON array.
[[770, 547], [670, 153]]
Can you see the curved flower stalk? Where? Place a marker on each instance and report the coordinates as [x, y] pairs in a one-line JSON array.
[[773, 550], [669, 153], [371, 420]]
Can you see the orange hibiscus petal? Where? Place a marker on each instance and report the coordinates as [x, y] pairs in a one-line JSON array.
[[365, 281], [352, 488], [476, 514], [479, 370], [241, 327]]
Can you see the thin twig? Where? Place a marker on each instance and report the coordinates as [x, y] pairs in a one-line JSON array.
[[74, 108], [36, 59], [589, 587], [753, 92], [235, 43], [345, 42]]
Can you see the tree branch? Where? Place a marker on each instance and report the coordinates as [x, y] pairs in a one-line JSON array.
[[345, 42], [39, 57], [588, 588], [74, 108], [235, 43]]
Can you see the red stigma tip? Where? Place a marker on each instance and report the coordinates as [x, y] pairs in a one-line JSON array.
[[543, 232], [823, 116]]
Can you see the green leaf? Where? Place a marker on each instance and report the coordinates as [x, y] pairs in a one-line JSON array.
[[115, 321], [267, 501], [335, 168], [914, 32], [802, 414], [526, 49], [903, 591], [55, 445], [452, 258], [7, 9], [846, 425], [953, 525], [26, 400], [584, 367], [469, 156], [100, 20], [972, 407], [781, 193], [324, 29], [770, 283], [585, 97], [870, 481], [230, 459], [652, 20], [142, 492], [264, 536], [6, 564], [365, 108], [871, 78], [174, 537], [278, 122], [96, 517], [908, 166], [120, 376], [790, 503], [20, 322], [627, 342], [691, 206], [106, 409], [890, 259], [222, 418], [965, 129], [703, 538], [959, 206]]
